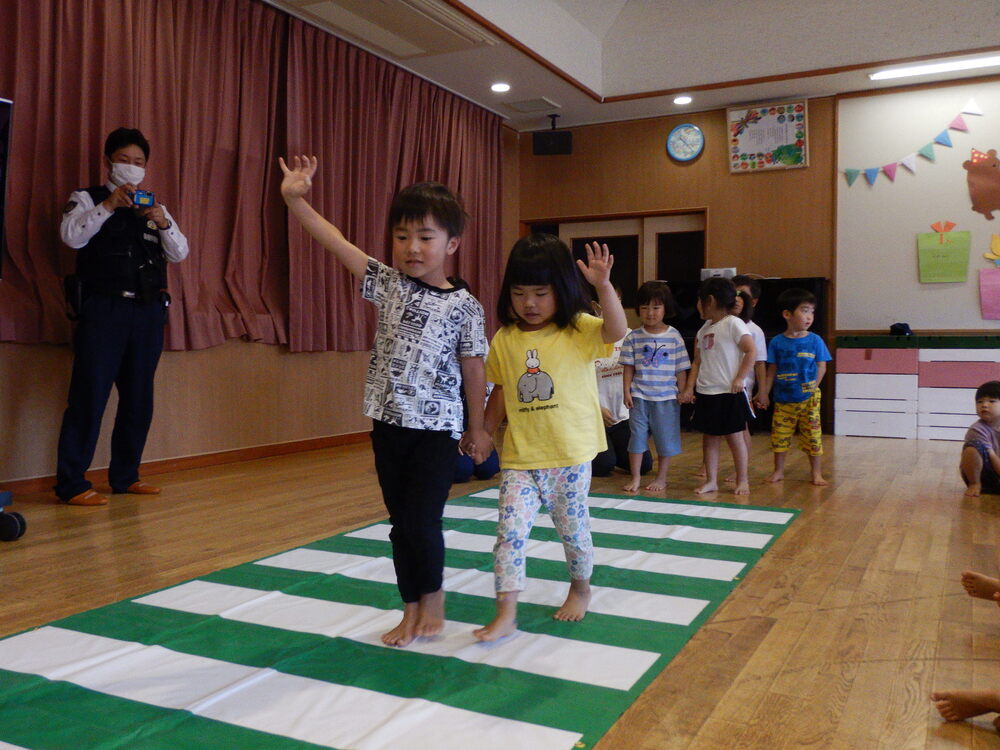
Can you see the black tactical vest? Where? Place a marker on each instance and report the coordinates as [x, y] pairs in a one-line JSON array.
[[124, 256]]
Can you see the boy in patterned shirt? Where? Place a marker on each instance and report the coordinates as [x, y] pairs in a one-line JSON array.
[[430, 341]]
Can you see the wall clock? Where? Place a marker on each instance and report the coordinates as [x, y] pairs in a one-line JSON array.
[[685, 142]]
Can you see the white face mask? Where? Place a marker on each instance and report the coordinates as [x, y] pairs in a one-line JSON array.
[[124, 173]]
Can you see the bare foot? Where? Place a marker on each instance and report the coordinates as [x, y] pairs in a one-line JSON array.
[[743, 488], [776, 477], [973, 490], [402, 634], [500, 627], [657, 485], [430, 615], [702, 473], [707, 487], [819, 481], [632, 487], [577, 601], [980, 586], [731, 479], [955, 705], [505, 621]]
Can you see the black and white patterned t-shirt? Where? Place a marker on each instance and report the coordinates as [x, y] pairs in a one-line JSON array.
[[415, 373]]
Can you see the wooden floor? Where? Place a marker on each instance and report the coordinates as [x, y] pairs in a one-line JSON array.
[[832, 641]]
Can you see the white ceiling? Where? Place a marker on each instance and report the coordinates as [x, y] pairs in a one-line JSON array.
[[597, 60]]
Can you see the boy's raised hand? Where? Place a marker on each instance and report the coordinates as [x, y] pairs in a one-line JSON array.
[[298, 179], [597, 269]]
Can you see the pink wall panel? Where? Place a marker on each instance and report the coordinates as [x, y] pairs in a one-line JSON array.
[[878, 361], [957, 374]]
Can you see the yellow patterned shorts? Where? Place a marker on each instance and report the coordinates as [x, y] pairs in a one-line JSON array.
[[801, 417]]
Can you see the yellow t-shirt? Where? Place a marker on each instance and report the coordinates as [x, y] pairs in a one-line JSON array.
[[550, 393]]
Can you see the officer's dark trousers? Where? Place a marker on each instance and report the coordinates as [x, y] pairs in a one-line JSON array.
[[118, 342], [415, 469]]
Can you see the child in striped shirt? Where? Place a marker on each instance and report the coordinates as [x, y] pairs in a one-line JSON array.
[[656, 364]]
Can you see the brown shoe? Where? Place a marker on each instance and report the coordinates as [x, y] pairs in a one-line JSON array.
[[90, 497], [141, 488]]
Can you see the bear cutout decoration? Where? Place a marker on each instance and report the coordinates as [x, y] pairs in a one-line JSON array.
[[984, 181]]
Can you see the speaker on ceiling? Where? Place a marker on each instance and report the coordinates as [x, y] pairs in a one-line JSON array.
[[552, 142]]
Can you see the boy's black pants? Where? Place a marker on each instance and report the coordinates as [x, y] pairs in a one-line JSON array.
[[415, 469]]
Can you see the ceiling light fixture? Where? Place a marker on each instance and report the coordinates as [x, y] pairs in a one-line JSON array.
[[682, 100], [938, 67], [500, 88]]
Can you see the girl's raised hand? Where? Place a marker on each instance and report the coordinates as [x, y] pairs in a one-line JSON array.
[[597, 269], [298, 179]]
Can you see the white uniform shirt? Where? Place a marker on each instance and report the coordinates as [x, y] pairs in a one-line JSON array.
[[82, 220]]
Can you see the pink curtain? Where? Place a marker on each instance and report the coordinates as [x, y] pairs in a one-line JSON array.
[[220, 88], [423, 133]]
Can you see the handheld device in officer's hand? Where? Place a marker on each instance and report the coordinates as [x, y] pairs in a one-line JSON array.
[[143, 199]]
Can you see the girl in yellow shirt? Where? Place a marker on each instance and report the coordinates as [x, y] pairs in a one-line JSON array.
[[542, 362]]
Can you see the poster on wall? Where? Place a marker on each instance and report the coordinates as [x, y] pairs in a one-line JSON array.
[[767, 137], [943, 255]]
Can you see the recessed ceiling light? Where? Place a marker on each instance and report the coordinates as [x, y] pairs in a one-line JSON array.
[[938, 67], [500, 88], [682, 100]]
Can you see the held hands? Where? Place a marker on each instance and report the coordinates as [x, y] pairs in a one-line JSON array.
[[476, 443], [687, 397], [298, 179], [597, 269], [762, 401]]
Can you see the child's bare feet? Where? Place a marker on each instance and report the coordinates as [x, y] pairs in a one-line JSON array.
[[707, 487], [743, 488], [430, 615], [577, 601], [776, 476], [402, 634], [505, 621], [819, 480], [980, 586], [973, 490], [633, 486], [657, 485], [955, 705], [702, 473]]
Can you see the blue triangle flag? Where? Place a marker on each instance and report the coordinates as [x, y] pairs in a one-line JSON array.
[[943, 138], [871, 173]]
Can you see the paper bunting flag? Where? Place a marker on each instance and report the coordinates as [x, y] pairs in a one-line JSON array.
[[958, 124], [971, 108], [910, 160]]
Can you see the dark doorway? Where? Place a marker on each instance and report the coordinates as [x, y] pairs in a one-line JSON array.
[[680, 256]]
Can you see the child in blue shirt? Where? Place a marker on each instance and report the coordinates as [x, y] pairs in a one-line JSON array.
[[655, 370], [796, 364]]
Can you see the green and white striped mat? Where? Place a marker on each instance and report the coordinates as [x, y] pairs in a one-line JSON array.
[[285, 652]]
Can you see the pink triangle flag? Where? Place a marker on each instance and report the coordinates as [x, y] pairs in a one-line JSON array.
[[910, 162], [958, 124], [890, 171]]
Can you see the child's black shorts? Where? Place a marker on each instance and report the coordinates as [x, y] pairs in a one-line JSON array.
[[721, 413]]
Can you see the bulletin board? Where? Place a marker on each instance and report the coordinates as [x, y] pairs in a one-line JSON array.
[[766, 137], [897, 179]]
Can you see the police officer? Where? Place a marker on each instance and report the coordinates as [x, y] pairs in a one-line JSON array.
[[123, 248]]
